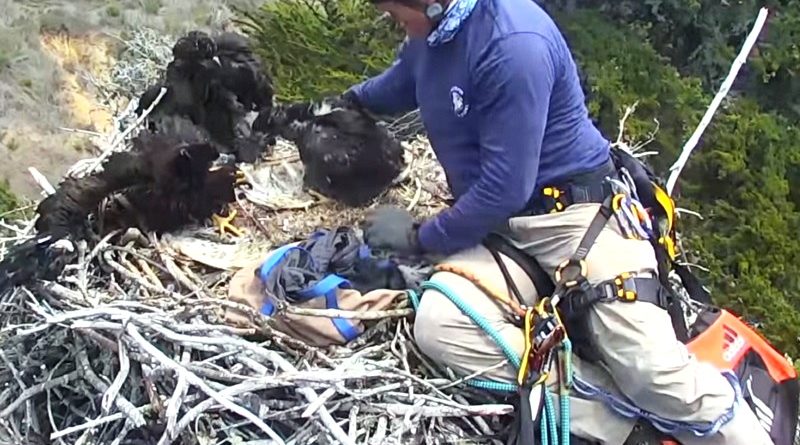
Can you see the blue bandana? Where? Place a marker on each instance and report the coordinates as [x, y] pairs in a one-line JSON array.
[[452, 21]]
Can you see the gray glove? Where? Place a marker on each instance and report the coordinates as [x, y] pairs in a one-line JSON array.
[[392, 228], [348, 99]]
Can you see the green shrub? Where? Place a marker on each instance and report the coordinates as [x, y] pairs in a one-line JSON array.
[[320, 47], [701, 38], [113, 10], [8, 201]]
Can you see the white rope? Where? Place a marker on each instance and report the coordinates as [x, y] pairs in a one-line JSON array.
[[677, 167]]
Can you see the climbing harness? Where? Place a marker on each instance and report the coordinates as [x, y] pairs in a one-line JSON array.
[[558, 324], [531, 389], [583, 188]]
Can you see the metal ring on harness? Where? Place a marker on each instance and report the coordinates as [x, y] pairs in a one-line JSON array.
[[571, 272]]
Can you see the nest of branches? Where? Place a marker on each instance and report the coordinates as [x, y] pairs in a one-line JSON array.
[[129, 345], [98, 362]]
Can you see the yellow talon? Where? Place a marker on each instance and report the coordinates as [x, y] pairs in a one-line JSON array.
[[241, 179], [322, 199], [224, 223]]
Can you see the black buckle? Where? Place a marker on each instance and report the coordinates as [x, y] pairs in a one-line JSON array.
[[626, 287], [554, 199], [622, 287], [577, 300]]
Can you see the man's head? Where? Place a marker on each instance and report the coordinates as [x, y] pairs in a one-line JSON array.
[[417, 17]]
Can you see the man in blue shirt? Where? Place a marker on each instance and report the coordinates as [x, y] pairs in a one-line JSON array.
[[499, 94]]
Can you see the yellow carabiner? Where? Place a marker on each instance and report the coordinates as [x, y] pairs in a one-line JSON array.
[[523, 367]]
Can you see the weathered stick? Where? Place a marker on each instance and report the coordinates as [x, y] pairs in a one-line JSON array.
[[113, 390], [196, 381], [36, 389], [355, 315], [95, 423], [397, 409], [125, 406]]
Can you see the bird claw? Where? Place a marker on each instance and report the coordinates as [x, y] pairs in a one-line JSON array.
[[241, 178], [322, 199], [224, 223]]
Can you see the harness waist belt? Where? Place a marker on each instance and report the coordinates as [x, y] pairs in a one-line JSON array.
[[589, 187]]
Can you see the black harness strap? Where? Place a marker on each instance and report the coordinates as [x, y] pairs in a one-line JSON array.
[[496, 245]]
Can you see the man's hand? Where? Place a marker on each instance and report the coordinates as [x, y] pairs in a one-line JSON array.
[[391, 228]]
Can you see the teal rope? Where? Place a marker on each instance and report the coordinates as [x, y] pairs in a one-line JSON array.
[[480, 321], [548, 421], [477, 383], [412, 295], [492, 385], [566, 345]]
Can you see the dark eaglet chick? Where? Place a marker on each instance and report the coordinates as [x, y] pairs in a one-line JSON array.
[[162, 184], [215, 83], [347, 156], [188, 81], [248, 89]]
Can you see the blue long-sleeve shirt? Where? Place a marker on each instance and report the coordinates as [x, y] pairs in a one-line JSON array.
[[504, 112]]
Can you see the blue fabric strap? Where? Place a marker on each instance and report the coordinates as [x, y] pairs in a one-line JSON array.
[[266, 269], [323, 286], [326, 286]]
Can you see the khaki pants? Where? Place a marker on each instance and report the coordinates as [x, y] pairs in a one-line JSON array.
[[641, 358]]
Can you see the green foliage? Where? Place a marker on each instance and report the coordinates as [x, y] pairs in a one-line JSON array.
[[737, 178], [113, 10], [701, 38], [8, 201], [151, 6], [320, 47], [778, 64]]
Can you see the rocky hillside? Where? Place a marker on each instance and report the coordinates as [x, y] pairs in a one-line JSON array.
[[58, 77]]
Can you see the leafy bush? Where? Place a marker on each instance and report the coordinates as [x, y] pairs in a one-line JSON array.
[[320, 47], [701, 38], [8, 201]]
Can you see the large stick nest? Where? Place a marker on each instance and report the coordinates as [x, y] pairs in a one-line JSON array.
[[129, 344]]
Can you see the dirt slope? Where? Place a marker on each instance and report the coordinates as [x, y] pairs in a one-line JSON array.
[[54, 55]]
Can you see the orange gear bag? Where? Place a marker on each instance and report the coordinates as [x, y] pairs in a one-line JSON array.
[[769, 380]]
